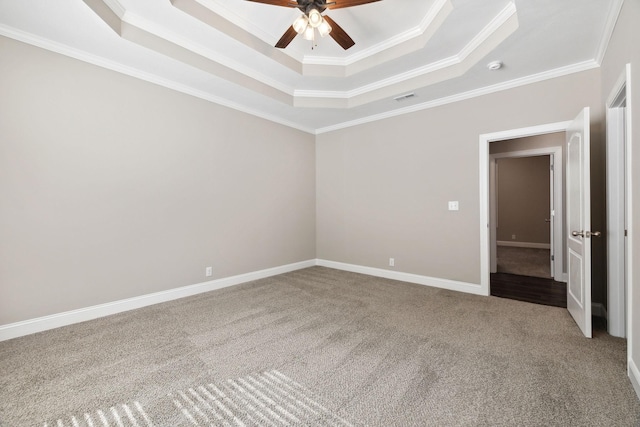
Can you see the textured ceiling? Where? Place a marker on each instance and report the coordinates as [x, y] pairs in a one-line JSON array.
[[223, 51]]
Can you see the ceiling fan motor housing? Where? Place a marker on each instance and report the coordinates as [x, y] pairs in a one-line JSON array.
[[307, 6]]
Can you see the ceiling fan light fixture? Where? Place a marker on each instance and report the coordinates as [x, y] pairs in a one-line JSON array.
[[309, 33], [300, 24], [324, 28], [315, 19]]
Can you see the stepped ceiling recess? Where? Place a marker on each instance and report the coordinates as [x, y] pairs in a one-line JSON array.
[[408, 54]]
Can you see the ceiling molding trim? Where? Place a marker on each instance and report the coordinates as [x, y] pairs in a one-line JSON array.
[[398, 78], [165, 47], [218, 22], [236, 19], [342, 68], [489, 38], [116, 7], [512, 84], [117, 67], [496, 23], [210, 14], [106, 13], [612, 19], [152, 28], [148, 34], [133, 29], [435, 16]]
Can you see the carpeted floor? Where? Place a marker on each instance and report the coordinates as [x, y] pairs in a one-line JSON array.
[[320, 347], [524, 261]]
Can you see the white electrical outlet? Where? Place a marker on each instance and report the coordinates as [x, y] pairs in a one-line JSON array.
[[454, 206], [209, 272], [392, 262]]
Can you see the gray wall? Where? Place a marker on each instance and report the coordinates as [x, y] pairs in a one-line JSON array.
[[383, 187], [523, 199], [113, 187], [623, 49]]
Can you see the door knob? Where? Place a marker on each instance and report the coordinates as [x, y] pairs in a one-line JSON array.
[[586, 234], [547, 220]]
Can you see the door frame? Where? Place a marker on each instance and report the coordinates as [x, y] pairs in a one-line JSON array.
[[484, 164], [618, 122], [557, 241]]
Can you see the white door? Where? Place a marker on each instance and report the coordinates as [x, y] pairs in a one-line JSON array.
[[579, 222]]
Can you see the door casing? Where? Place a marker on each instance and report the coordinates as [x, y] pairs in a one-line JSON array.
[[619, 267], [485, 139]]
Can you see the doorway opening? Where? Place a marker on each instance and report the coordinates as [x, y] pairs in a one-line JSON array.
[[578, 211], [526, 219]]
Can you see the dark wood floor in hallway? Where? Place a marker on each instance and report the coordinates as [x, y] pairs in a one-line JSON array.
[[530, 289]]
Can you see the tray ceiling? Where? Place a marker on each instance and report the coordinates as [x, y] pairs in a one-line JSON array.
[[222, 51]]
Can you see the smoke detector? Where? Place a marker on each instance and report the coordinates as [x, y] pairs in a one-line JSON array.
[[495, 65]]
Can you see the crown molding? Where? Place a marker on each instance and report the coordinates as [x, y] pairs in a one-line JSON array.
[[535, 78], [174, 38], [152, 36], [237, 28], [490, 37], [496, 23], [612, 19], [434, 18], [83, 56]]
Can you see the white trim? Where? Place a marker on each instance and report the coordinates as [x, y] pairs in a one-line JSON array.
[[161, 81], [459, 59], [630, 289], [610, 25], [617, 142], [18, 329], [108, 64], [452, 285], [488, 90], [598, 309], [439, 11], [524, 244], [634, 376], [484, 140]]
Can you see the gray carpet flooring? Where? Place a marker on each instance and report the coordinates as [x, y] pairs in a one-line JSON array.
[[320, 347], [524, 261]]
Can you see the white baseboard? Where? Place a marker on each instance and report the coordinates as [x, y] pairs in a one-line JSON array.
[[634, 376], [598, 309], [453, 285], [18, 329], [524, 244]]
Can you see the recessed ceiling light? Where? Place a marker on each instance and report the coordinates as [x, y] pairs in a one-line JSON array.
[[495, 65]]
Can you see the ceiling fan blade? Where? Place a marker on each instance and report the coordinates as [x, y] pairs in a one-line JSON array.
[[337, 4], [286, 38], [339, 35], [285, 3]]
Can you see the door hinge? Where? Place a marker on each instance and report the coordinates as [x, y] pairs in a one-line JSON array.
[[625, 233], [551, 167], [553, 257]]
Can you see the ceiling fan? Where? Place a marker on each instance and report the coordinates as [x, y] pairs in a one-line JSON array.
[[313, 20]]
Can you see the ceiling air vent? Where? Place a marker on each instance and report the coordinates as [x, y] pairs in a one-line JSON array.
[[405, 97]]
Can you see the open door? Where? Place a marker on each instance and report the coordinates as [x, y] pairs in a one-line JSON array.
[[579, 222]]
